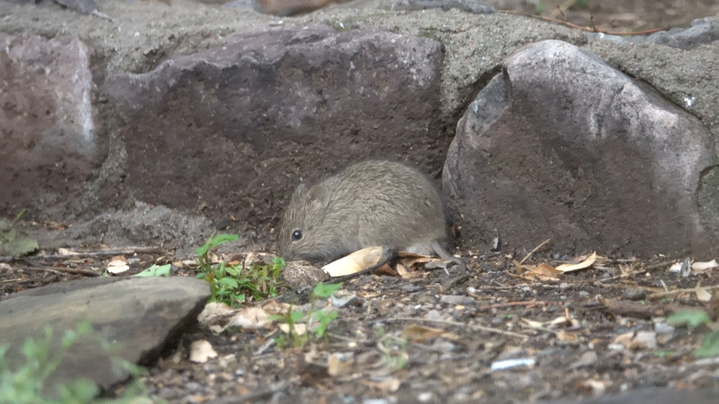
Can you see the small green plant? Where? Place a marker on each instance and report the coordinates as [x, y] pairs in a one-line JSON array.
[[320, 319], [231, 283], [14, 242], [26, 384], [394, 350], [155, 270], [692, 319]]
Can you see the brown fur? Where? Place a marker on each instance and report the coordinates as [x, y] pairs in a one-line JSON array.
[[372, 203]]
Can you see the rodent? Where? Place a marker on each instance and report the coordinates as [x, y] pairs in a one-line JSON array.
[[371, 203]]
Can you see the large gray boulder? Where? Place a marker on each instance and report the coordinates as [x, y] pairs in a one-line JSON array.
[[48, 145], [562, 146], [651, 396], [141, 318], [224, 129]]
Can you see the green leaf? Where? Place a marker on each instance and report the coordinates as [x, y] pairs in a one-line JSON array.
[[215, 241], [231, 282], [709, 345], [14, 242], [691, 318], [322, 290], [297, 316], [154, 270], [278, 263]]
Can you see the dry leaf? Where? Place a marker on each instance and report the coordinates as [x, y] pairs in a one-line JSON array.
[[251, 318], [624, 339], [386, 385], [519, 267], [355, 262], [537, 325], [644, 339], [261, 258], [574, 267], [212, 311], [638, 340], [299, 329], [704, 266], [546, 270], [419, 334], [65, 251], [118, 265], [563, 321], [276, 308], [598, 387], [703, 295], [542, 271], [411, 260], [201, 351], [340, 364], [402, 270]]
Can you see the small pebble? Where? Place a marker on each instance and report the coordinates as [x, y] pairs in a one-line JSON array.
[[457, 299], [663, 329], [634, 294]]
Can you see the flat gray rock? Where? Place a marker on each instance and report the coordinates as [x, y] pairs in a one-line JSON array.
[[562, 146], [652, 396], [142, 317], [240, 119]]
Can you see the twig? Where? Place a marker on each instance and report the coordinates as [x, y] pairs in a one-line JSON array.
[[579, 27], [72, 271], [102, 15], [673, 293], [455, 281], [561, 12], [91, 254], [510, 304], [475, 327], [533, 251], [635, 272]]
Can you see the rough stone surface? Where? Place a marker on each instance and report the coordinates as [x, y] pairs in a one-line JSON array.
[[240, 119], [702, 31], [48, 146], [143, 34], [142, 317], [651, 396], [562, 146], [470, 6]]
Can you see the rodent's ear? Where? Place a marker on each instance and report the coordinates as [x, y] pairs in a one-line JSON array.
[[319, 196], [299, 191]]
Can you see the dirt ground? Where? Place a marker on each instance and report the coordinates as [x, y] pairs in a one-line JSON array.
[[620, 16], [430, 337], [457, 327]]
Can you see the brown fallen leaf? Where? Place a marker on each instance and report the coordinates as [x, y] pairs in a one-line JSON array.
[[385, 385], [637, 340], [586, 263], [340, 364], [703, 295], [355, 262], [419, 334], [701, 267]]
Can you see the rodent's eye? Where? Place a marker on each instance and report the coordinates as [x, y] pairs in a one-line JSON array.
[[296, 235]]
